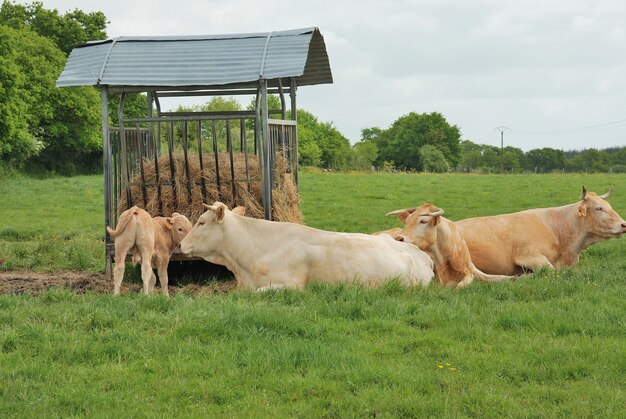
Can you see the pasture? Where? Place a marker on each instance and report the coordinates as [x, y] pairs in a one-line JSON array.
[[550, 344]]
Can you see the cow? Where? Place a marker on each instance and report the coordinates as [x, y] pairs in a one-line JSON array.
[[393, 232], [151, 242], [265, 255], [511, 244], [425, 227]]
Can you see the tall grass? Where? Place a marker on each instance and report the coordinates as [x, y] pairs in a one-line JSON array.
[[547, 345], [551, 345]]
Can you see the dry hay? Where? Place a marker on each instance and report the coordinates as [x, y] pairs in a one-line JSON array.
[[285, 197]]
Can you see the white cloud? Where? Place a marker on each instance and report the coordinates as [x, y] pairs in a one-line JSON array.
[[583, 24]]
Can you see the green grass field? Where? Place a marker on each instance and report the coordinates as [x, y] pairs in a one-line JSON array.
[[550, 344]]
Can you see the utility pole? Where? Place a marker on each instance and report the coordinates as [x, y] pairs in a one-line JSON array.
[[502, 129]]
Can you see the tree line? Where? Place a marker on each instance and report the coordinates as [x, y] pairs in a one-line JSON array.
[[428, 143], [50, 129]]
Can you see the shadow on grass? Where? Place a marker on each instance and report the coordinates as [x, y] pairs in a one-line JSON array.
[[183, 273]]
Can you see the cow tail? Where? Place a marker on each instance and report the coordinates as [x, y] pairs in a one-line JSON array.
[[490, 277], [123, 221]]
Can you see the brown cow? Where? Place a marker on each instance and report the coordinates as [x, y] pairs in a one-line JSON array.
[[426, 228], [510, 244], [151, 242]]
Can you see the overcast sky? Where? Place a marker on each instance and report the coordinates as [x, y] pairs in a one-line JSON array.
[[553, 71]]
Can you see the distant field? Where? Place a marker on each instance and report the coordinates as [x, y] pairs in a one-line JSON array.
[[550, 344]]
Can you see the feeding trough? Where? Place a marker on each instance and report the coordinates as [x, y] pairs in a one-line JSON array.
[[168, 161]]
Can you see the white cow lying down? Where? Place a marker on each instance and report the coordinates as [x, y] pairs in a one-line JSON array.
[[264, 254]]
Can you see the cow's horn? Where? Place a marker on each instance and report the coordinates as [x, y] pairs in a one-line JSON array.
[[400, 211], [608, 193], [439, 211], [584, 194]]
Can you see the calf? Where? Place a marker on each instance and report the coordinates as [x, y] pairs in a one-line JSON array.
[[264, 254], [426, 228], [151, 242]]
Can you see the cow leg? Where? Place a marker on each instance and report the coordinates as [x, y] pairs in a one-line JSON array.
[[163, 278], [533, 261], [465, 281], [152, 283], [120, 264], [146, 270]]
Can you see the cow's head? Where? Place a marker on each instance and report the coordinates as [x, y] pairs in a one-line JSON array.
[[205, 237], [179, 226], [598, 217], [419, 225]]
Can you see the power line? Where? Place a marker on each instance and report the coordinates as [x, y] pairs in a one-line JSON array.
[[605, 125]]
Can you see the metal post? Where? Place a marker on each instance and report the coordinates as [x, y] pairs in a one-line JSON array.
[[106, 162], [124, 154], [501, 152], [502, 129], [266, 158], [294, 142], [149, 100], [281, 95]]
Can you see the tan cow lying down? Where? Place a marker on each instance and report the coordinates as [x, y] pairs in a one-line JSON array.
[[151, 241], [510, 244], [426, 228], [393, 232], [264, 254]]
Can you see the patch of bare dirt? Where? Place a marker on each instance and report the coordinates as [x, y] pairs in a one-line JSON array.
[[18, 282]]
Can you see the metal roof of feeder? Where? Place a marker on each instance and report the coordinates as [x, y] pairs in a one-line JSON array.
[[199, 61]]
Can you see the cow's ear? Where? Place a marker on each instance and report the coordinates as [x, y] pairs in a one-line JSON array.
[[219, 213], [582, 210], [240, 210], [403, 216], [436, 220], [169, 223]]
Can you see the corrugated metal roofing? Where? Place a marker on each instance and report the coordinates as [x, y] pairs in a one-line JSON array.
[[200, 61]]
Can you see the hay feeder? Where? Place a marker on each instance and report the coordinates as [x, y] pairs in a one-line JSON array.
[[167, 161]]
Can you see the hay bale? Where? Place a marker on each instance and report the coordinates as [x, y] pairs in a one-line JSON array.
[[184, 193]]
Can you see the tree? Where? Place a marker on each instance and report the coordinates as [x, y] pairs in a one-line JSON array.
[[17, 140], [490, 159], [60, 124], [57, 129], [135, 106], [512, 159], [544, 160], [371, 134], [333, 147], [471, 156], [618, 160], [591, 160], [432, 159], [216, 104], [66, 31], [402, 141], [362, 155]]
